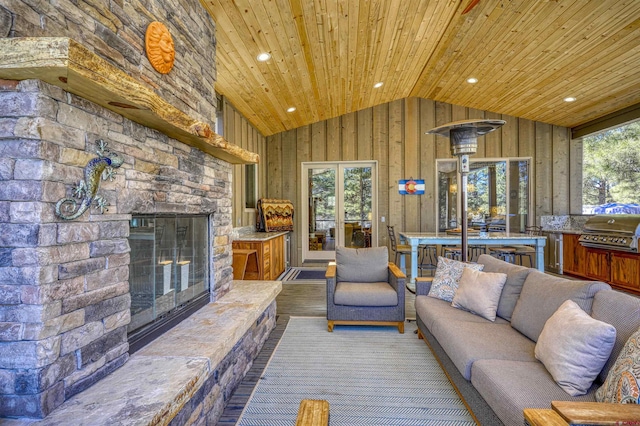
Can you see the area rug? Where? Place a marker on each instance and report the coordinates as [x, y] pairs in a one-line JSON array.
[[369, 376], [303, 274]]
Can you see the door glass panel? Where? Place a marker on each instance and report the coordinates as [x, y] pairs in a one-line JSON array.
[[497, 195], [487, 195], [447, 195], [357, 206], [322, 209], [518, 195]]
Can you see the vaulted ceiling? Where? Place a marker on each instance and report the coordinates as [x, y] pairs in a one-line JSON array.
[[326, 56]]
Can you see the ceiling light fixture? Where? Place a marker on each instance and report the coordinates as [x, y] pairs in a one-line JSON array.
[[263, 57], [472, 80], [569, 99], [291, 109], [378, 84]]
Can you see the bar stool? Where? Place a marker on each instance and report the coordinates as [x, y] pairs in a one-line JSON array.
[[525, 250], [506, 253], [403, 250], [475, 250], [452, 252], [428, 257]]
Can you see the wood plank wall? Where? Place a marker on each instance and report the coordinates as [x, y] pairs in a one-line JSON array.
[[394, 135], [237, 130]]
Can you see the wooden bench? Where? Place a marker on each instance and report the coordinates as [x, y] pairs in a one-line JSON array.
[[313, 412]]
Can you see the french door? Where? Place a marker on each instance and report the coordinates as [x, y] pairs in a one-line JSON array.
[[339, 207]]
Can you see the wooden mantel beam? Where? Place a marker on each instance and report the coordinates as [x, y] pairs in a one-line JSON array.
[[67, 64]]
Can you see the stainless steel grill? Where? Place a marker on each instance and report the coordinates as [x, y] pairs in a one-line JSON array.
[[612, 232]]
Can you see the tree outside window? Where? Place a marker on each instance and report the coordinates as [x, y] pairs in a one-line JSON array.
[[611, 168]]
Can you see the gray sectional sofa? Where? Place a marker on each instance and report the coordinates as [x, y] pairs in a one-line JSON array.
[[494, 362]]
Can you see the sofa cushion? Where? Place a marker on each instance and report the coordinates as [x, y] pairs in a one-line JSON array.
[[516, 276], [574, 347], [542, 295], [430, 309], [362, 265], [365, 294], [621, 310], [622, 385], [479, 292], [445, 280], [467, 342], [511, 386]]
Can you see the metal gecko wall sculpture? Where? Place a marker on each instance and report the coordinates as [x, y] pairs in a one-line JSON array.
[[86, 192]]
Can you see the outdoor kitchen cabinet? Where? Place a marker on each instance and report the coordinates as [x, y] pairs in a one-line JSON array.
[[574, 255], [270, 249], [620, 269], [597, 265], [625, 270]]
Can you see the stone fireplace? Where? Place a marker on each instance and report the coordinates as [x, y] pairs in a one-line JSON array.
[[64, 284]]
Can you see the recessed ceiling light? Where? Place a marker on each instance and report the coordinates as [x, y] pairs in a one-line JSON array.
[[569, 99], [472, 80], [291, 109], [264, 56], [378, 84]]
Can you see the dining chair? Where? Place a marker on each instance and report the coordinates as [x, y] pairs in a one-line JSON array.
[[402, 251]]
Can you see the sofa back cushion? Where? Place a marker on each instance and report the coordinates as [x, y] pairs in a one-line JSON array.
[[622, 311], [362, 265], [542, 295], [513, 286]]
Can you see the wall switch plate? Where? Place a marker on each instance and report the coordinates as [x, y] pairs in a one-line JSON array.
[[382, 219]]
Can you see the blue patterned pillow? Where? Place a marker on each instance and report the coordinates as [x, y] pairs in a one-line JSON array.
[[447, 276], [622, 385]]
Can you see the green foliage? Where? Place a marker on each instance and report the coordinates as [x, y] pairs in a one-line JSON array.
[[611, 166]]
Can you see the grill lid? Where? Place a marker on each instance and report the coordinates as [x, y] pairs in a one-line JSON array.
[[614, 223]]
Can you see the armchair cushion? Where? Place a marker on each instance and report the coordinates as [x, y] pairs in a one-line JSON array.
[[362, 265], [365, 294]]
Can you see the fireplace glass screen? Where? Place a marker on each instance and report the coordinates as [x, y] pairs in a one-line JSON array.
[[168, 269]]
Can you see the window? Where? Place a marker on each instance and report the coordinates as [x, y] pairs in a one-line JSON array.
[[611, 171], [168, 272], [250, 186], [497, 194]]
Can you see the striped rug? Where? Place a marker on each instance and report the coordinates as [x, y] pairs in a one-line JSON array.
[[369, 375], [304, 274]]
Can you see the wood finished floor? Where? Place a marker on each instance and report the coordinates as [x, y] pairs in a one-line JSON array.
[[296, 299]]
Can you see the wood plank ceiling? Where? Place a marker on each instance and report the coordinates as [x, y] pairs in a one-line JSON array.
[[326, 56]]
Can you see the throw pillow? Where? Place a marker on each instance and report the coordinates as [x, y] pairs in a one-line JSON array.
[[622, 385], [479, 292], [574, 347], [362, 265], [512, 287], [445, 280]]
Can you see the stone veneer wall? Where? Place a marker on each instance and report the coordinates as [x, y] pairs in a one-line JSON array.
[[115, 29], [64, 291]]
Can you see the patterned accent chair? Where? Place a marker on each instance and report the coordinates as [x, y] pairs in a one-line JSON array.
[[364, 288]]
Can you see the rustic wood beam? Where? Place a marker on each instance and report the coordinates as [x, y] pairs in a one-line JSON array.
[[65, 63]]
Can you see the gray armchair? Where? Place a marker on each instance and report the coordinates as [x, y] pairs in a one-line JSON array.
[[364, 288]]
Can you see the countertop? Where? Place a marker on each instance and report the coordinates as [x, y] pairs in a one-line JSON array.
[[259, 236], [563, 231]]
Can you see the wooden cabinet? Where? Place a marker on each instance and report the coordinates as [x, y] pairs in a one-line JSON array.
[[625, 270], [597, 264], [573, 255], [270, 252], [620, 269]]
